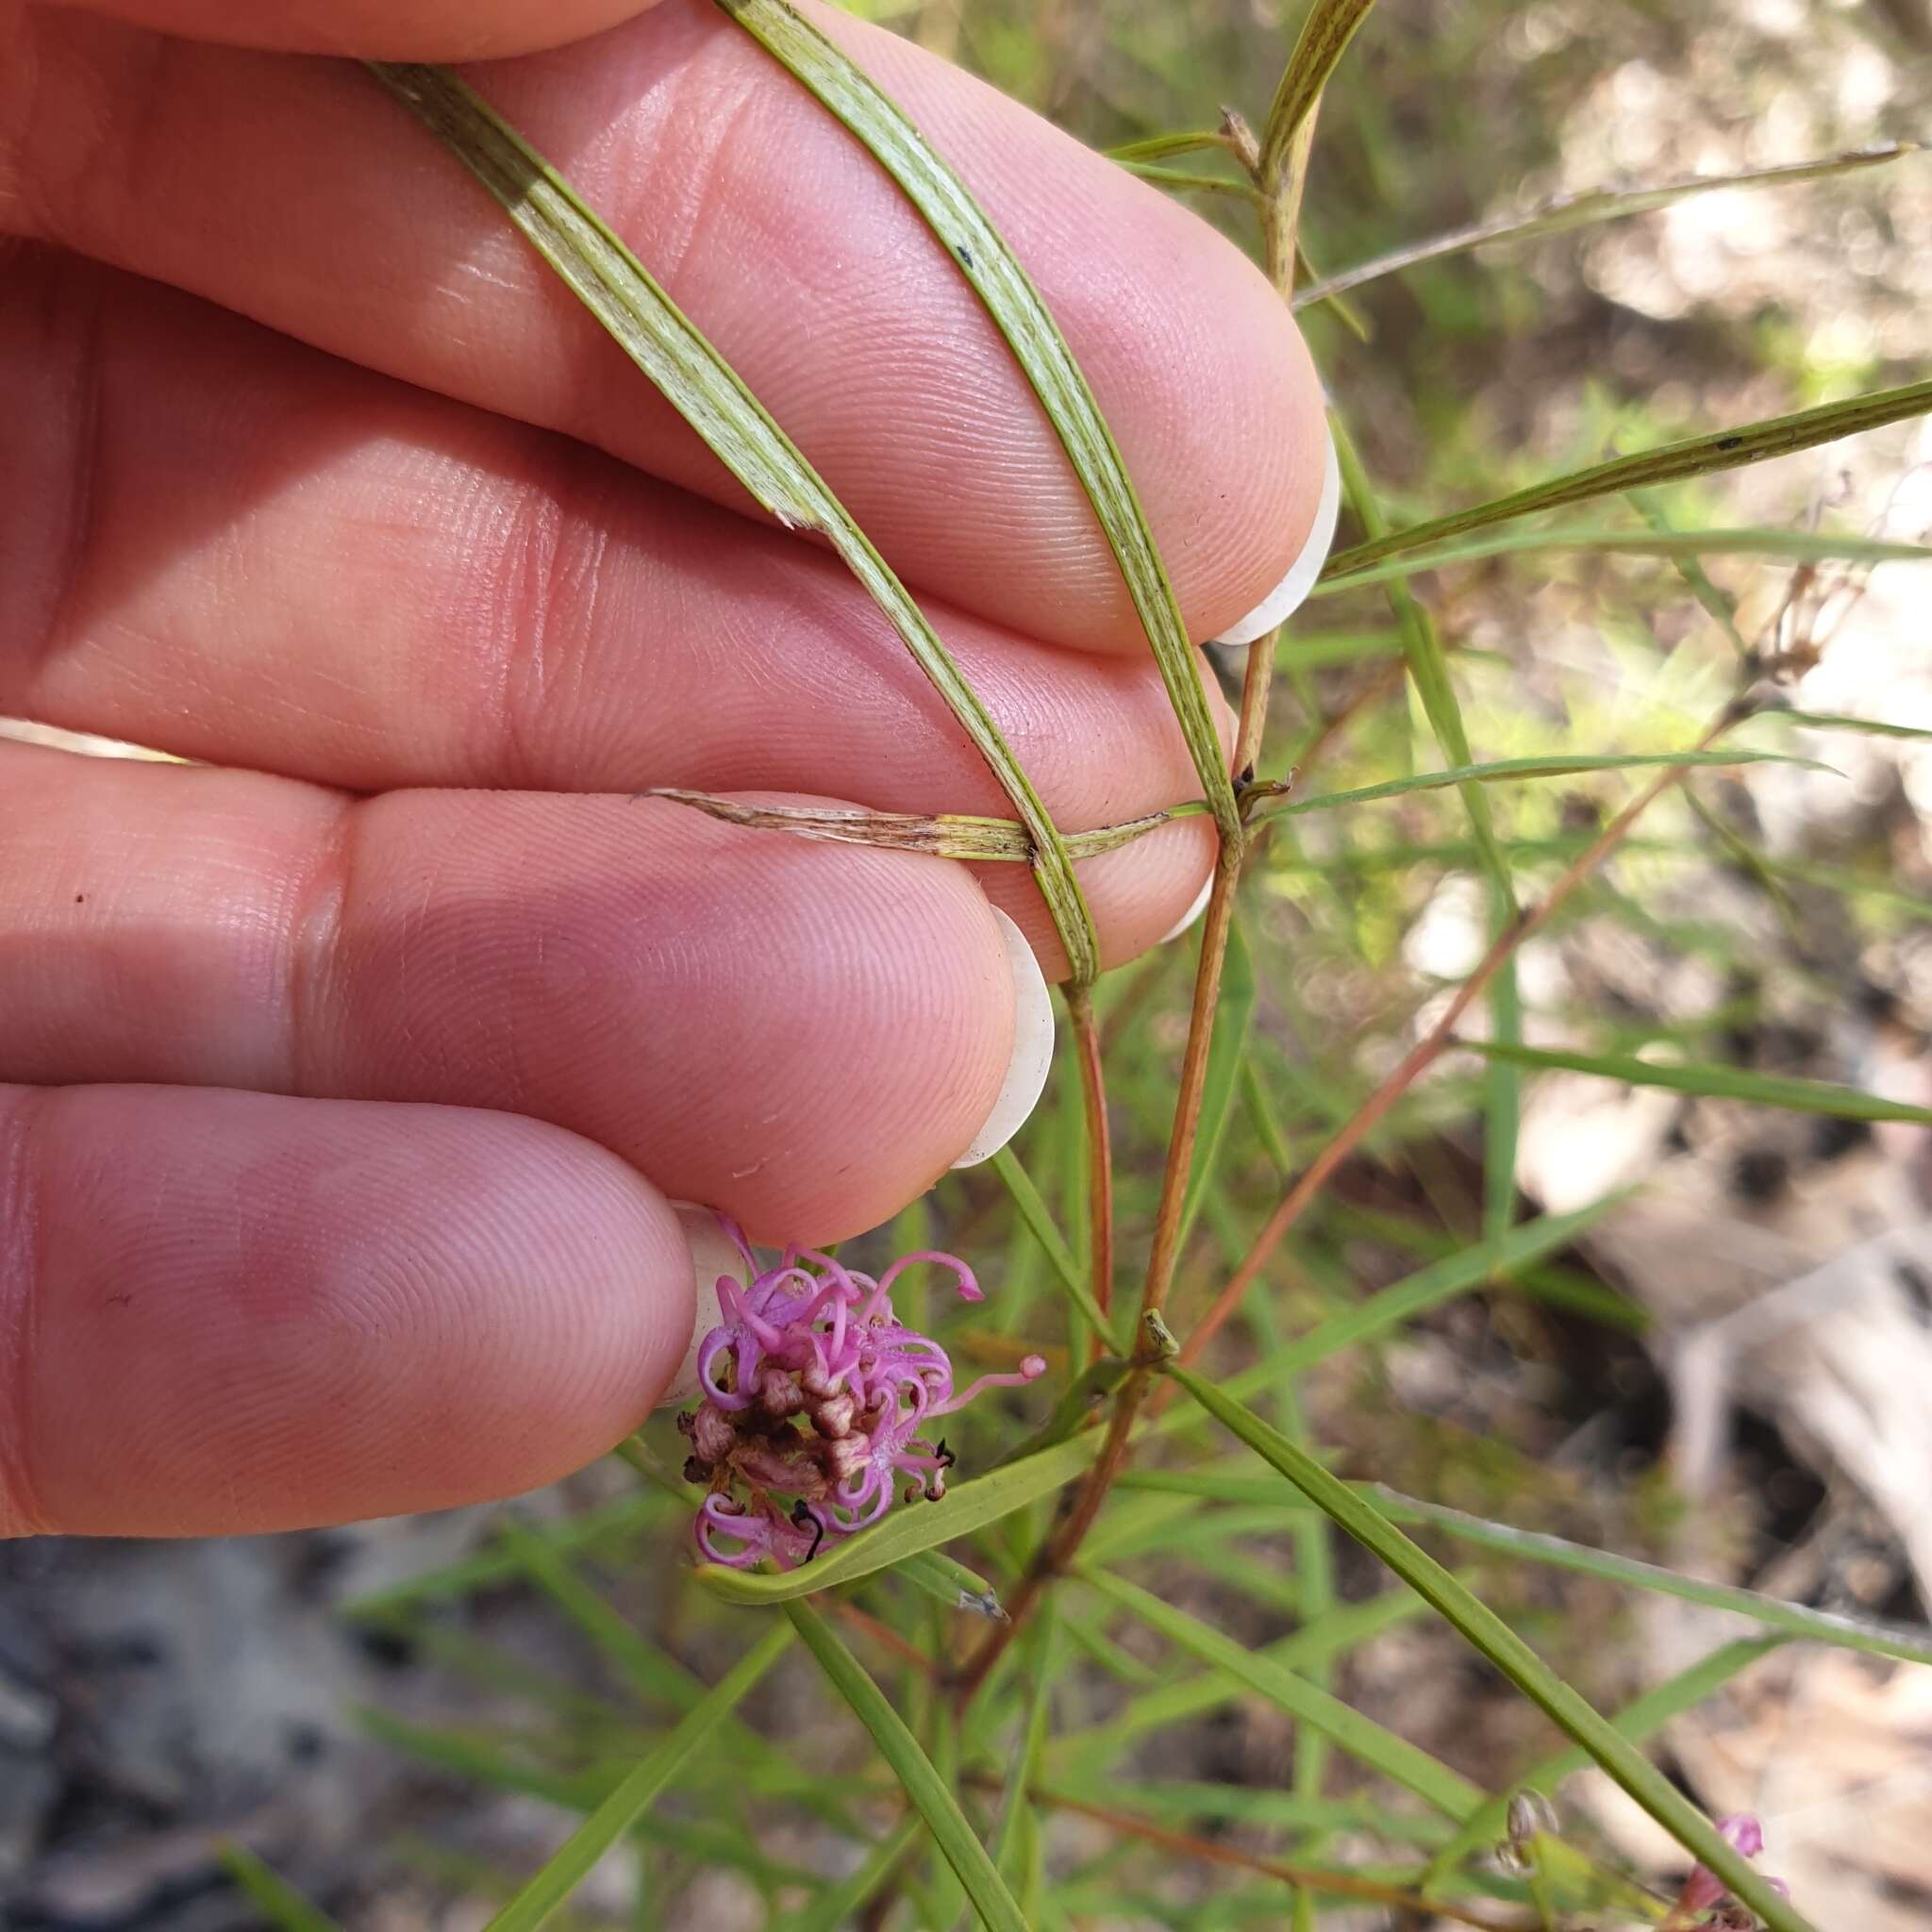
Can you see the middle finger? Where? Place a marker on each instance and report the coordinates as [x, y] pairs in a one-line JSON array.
[[262, 555]]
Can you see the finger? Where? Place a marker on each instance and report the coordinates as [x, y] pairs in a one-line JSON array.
[[245, 1312], [299, 193], [375, 30], [803, 1035], [233, 548]]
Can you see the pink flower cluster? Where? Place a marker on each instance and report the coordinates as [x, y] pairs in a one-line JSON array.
[[815, 1403], [1704, 1890]]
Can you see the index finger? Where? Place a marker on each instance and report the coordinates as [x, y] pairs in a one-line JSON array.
[[296, 192], [375, 30]]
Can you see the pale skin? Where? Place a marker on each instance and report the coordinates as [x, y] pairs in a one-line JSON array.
[[351, 1071]]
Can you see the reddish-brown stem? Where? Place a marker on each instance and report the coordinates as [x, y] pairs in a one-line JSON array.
[[1337, 1884], [1099, 1146], [881, 1634], [1065, 1540], [1072, 1531], [1429, 1048]]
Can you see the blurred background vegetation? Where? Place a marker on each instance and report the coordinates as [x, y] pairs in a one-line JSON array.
[[1727, 1373]]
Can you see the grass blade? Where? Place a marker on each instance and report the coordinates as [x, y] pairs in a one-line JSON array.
[[1326, 33], [1877, 727], [1166, 147], [657, 1677], [922, 1784], [1226, 1056], [1396, 1758], [1716, 1083], [1007, 1839], [1548, 765], [950, 1583], [1907, 1642], [1083, 1757], [1639, 1720], [1429, 670], [906, 1532], [281, 1904], [1619, 1759], [1038, 346], [943, 835], [1416, 1293], [1779, 546], [1191, 180], [618, 291], [838, 1906], [1039, 1218], [498, 1565], [566, 1869], [1696, 456], [1558, 216]]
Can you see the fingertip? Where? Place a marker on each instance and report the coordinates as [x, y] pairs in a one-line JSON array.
[[712, 1255], [1299, 579], [1140, 894], [1032, 1056], [252, 1312], [374, 29]]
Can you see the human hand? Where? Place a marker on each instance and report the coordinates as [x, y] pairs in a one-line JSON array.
[[356, 1064]]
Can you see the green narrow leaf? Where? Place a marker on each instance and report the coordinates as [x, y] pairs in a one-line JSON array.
[[617, 290], [627, 1515], [1779, 546], [1907, 1642], [277, 1901], [1326, 30], [1314, 1570], [941, 834], [1565, 1287], [1696, 456], [907, 1531], [1226, 1054], [838, 1905], [1080, 1403], [922, 1784], [1082, 1756], [1472, 1267], [568, 1867], [1649, 505], [1637, 1720], [1717, 1083], [1416, 1293], [1618, 1758], [1262, 1805], [1583, 210], [1189, 181], [486, 1761], [1008, 1839], [1014, 304], [1264, 1120], [1039, 1218], [1396, 1758], [935, 1575], [1163, 147], [1085, 1634], [1429, 670], [1548, 765], [1823, 721], [659, 1678], [1502, 1093]]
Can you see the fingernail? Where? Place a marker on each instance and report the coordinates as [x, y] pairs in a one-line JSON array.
[[1192, 913], [1287, 596], [711, 1254], [1027, 1071]]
